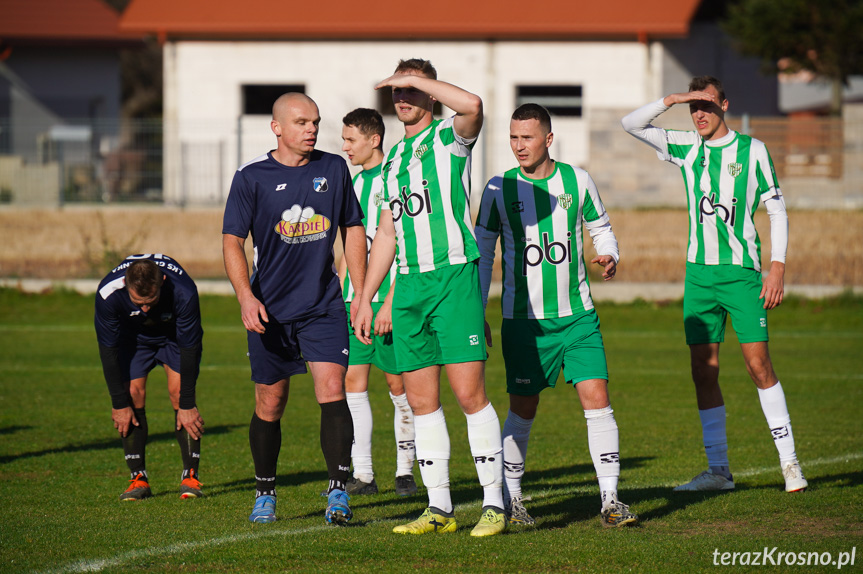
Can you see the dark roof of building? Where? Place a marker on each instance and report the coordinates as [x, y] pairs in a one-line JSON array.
[[387, 19]]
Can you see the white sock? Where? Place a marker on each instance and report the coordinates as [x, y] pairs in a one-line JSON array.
[[516, 432], [779, 421], [433, 452], [403, 424], [483, 433], [603, 441], [361, 451], [714, 437]]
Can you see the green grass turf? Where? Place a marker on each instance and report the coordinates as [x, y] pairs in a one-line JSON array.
[[62, 469]]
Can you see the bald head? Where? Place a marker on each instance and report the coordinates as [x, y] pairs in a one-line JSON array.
[[291, 100], [295, 123]]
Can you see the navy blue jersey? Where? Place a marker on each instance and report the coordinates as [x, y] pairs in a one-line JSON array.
[[176, 317], [293, 214]]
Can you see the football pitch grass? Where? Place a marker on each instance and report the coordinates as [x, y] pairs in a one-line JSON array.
[[62, 468]]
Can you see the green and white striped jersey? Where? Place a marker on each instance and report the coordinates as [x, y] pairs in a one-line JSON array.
[[369, 189], [539, 222], [426, 180], [725, 181]]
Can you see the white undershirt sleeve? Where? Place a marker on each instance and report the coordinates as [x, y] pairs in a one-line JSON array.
[[486, 241], [638, 124], [778, 227], [604, 240]]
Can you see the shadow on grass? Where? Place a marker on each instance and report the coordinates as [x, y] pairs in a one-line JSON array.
[[14, 429], [108, 444]]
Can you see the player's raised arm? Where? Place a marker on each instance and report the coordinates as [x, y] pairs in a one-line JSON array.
[[467, 106]]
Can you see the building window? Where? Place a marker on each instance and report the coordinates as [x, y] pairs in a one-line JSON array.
[[558, 100], [258, 98], [385, 103]]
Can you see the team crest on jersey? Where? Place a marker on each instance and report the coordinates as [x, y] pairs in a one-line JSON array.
[[734, 169], [320, 184], [564, 200], [516, 207], [380, 198], [302, 225], [421, 150]]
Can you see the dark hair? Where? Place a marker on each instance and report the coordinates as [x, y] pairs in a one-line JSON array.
[[424, 67], [533, 112], [699, 83], [368, 121], [144, 277]]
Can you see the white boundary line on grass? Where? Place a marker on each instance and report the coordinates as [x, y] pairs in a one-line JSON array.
[[98, 565]]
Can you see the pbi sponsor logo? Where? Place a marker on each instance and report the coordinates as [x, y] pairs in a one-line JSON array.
[[281, 187], [320, 184], [707, 206], [302, 225], [412, 204], [554, 252], [522, 381], [473, 340]]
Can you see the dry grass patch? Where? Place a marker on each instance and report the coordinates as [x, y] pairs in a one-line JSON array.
[[826, 247]]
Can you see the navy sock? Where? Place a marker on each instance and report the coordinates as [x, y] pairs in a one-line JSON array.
[[190, 449], [135, 443], [337, 436], [265, 439]]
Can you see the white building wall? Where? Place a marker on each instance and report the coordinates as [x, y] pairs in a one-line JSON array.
[[203, 95]]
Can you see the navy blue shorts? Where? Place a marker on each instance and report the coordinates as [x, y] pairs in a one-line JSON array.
[[139, 360], [282, 351]]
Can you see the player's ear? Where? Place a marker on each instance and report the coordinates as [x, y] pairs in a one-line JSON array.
[[376, 140], [724, 106], [277, 129], [548, 139]]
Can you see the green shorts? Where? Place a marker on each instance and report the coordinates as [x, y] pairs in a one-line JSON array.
[[438, 318], [380, 353], [711, 293], [535, 350]]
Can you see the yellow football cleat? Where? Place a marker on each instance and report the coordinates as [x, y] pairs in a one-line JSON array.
[[490, 523], [429, 521]]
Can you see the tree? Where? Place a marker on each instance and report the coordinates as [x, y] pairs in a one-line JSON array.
[[824, 37]]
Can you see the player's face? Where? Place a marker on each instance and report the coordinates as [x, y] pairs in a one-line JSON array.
[[297, 128], [708, 117], [144, 303], [357, 146], [411, 104], [529, 142]]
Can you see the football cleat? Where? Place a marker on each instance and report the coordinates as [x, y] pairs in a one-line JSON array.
[[516, 513], [338, 512], [707, 480], [431, 520], [264, 510], [357, 486], [616, 515], [406, 485], [139, 489], [191, 486], [794, 480], [492, 521]]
